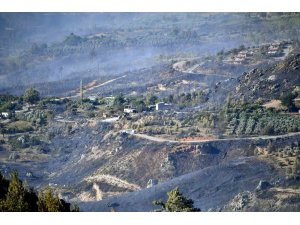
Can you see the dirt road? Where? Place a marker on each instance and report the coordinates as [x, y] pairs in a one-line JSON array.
[[96, 86], [158, 139]]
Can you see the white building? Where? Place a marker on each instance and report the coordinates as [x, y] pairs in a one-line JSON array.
[[128, 131], [5, 114], [163, 106], [129, 109]]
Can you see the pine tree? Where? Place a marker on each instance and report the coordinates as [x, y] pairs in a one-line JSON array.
[[15, 198], [177, 203], [48, 202]]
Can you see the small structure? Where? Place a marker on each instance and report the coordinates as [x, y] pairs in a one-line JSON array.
[[272, 53], [56, 101], [297, 102], [28, 107], [240, 58], [128, 131], [276, 44], [93, 98], [274, 48], [18, 112], [21, 139], [5, 114], [129, 109], [163, 106], [242, 54], [151, 107]]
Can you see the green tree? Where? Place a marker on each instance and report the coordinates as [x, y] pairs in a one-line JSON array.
[[152, 100], [288, 101], [170, 98], [31, 96], [268, 130], [48, 202], [15, 198], [140, 105], [177, 203], [2, 129], [188, 97], [119, 101]]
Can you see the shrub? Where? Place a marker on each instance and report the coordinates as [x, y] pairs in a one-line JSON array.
[[268, 130], [177, 203]]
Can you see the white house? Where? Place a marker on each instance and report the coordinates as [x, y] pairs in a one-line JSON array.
[[163, 106]]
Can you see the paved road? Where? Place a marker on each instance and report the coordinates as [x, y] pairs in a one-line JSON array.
[[158, 139]]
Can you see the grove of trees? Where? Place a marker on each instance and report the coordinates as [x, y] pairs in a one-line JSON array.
[[15, 196]]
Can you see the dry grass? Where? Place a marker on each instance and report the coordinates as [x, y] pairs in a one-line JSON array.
[[276, 104]]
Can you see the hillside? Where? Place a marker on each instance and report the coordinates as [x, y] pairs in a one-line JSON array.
[[270, 83], [116, 109], [209, 188]]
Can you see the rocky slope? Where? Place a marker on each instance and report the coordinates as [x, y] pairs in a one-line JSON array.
[[92, 159], [266, 199], [271, 82]]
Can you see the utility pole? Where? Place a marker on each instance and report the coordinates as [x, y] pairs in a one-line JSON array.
[[81, 92]]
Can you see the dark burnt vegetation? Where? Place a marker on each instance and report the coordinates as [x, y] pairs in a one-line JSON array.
[[140, 99]]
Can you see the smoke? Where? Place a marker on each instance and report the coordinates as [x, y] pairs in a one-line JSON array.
[[137, 41]]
